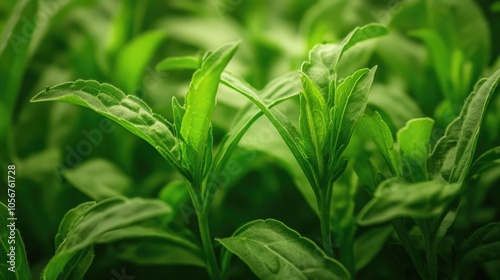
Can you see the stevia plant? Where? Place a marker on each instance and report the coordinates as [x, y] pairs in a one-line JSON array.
[[428, 183], [186, 144], [329, 110], [427, 65]]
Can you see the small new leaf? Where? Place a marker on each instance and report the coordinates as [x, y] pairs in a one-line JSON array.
[[200, 98]]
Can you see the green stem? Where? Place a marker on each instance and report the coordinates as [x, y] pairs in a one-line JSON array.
[[206, 240], [201, 205], [324, 205]]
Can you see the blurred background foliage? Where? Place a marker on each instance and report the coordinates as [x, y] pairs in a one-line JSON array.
[[427, 65]]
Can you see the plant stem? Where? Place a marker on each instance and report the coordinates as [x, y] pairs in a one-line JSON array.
[[324, 205], [206, 240]]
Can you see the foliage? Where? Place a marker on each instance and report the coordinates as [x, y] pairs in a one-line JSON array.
[[241, 139]]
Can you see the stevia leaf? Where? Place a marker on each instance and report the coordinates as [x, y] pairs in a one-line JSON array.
[[369, 244], [488, 159], [323, 59], [14, 45], [126, 110], [99, 179], [396, 198], [282, 125], [414, 143], [351, 98], [200, 100], [376, 128], [465, 130], [132, 60], [146, 245], [71, 220], [481, 246], [78, 265], [18, 269], [274, 251], [313, 117], [174, 63], [103, 217], [230, 142]]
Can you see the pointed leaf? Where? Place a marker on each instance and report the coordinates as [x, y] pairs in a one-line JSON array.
[[200, 98], [351, 98], [456, 166], [373, 124], [274, 251], [396, 198], [323, 59], [282, 125], [313, 116], [134, 57], [126, 110]]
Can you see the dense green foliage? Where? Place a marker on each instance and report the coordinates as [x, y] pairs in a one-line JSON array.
[[250, 139]]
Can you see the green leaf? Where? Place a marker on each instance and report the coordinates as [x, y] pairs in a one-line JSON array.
[[146, 245], [174, 63], [132, 60], [71, 220], [99, 179], [313, 118], [488, 159], [174, 194], [282, 125], [200, 100], [373, 124], [465, 131], [279, 90], [126, 110], [14, 45], [12, 246], [323, 59], [369, 244], [414, 143], [103, 217], [396, 198], [481, 246], [351, 98], [274, 251], [78, 264]]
